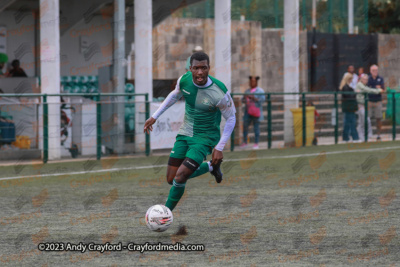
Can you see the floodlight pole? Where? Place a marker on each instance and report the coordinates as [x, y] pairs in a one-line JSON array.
[[351, 16], [291, 66], [313, 75]]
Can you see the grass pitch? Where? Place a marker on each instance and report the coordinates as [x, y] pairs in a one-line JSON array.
[[314, 206]]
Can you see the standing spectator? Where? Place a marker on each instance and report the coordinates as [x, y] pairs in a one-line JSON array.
[[349, 107], [361, 89], [253, 110], [350, 69], [16, 71], [360, 73], [375, 100]]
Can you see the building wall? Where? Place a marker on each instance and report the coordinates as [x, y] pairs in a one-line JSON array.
[[389, 58], [97, 34], [175, 38], [20, 34]]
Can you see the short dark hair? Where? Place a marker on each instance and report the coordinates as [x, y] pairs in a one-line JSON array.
[[257, 77], [199, 56]]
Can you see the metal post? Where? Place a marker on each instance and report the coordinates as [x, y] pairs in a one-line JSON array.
[[276, 14], [365, 16], [394, 116], [314, 14], [45, 129], [147, 116], [269, 115], [330, 16], [350, 15], [366, 117], [336, 118], [208, 9], [98, 127], [303, 102], [304, 14]]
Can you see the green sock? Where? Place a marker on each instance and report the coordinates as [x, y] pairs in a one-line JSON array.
[[175, 194], [204, 168]]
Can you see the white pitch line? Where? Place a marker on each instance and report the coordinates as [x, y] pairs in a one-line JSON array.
[[227, 160]]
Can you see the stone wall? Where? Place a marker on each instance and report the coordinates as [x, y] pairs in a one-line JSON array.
[[389, 59], [175, 38]]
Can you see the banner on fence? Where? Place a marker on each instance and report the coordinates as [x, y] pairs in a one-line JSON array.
[[167, 126]]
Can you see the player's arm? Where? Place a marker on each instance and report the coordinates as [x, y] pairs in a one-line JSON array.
[[171, 99], [228, 111]]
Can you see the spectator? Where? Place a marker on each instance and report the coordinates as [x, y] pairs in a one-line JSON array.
[[361, 88], [196, 49], [349, 107], [16, 70], [7, 129], [375, 100], [253, 110], [360, 73], [350, 69]]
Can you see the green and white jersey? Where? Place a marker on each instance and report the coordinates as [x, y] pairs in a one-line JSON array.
[[203, 108]]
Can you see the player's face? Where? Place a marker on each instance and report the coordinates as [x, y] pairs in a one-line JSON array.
[[200, 71], [350, 69]]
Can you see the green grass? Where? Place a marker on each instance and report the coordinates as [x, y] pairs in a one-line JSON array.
[[332, 205]]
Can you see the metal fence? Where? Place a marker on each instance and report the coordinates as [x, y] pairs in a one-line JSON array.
[[97, 131], [333, 114], [34, 121]]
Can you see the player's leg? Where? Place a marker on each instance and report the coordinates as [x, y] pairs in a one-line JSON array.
[[202, 169], [179, 182], [172, 169], [199, 152], [177, 156]]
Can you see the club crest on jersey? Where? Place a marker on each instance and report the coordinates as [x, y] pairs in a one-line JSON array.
[[207, 102]]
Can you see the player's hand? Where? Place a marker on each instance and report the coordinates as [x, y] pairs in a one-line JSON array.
[[148, 125], [217, 157]]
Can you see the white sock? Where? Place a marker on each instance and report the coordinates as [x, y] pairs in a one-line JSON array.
[[210, 167]]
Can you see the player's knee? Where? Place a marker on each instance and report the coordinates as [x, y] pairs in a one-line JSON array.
[[181, 177]]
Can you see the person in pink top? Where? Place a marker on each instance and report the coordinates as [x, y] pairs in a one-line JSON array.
[[253, 110]]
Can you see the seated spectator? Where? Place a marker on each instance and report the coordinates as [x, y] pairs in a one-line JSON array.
[[16, 70], [7, 129]]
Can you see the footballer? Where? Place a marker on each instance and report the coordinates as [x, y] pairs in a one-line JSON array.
[[206, 98]]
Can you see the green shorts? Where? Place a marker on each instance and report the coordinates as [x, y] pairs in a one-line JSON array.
[[187, 147]]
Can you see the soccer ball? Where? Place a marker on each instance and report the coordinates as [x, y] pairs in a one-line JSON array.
[[159, 218]]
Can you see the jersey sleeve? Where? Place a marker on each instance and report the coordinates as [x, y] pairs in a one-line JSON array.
[[171, 99], [228, 111]]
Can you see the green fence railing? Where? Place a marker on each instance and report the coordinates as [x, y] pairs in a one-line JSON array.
[[336, 107], [97, 97]]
